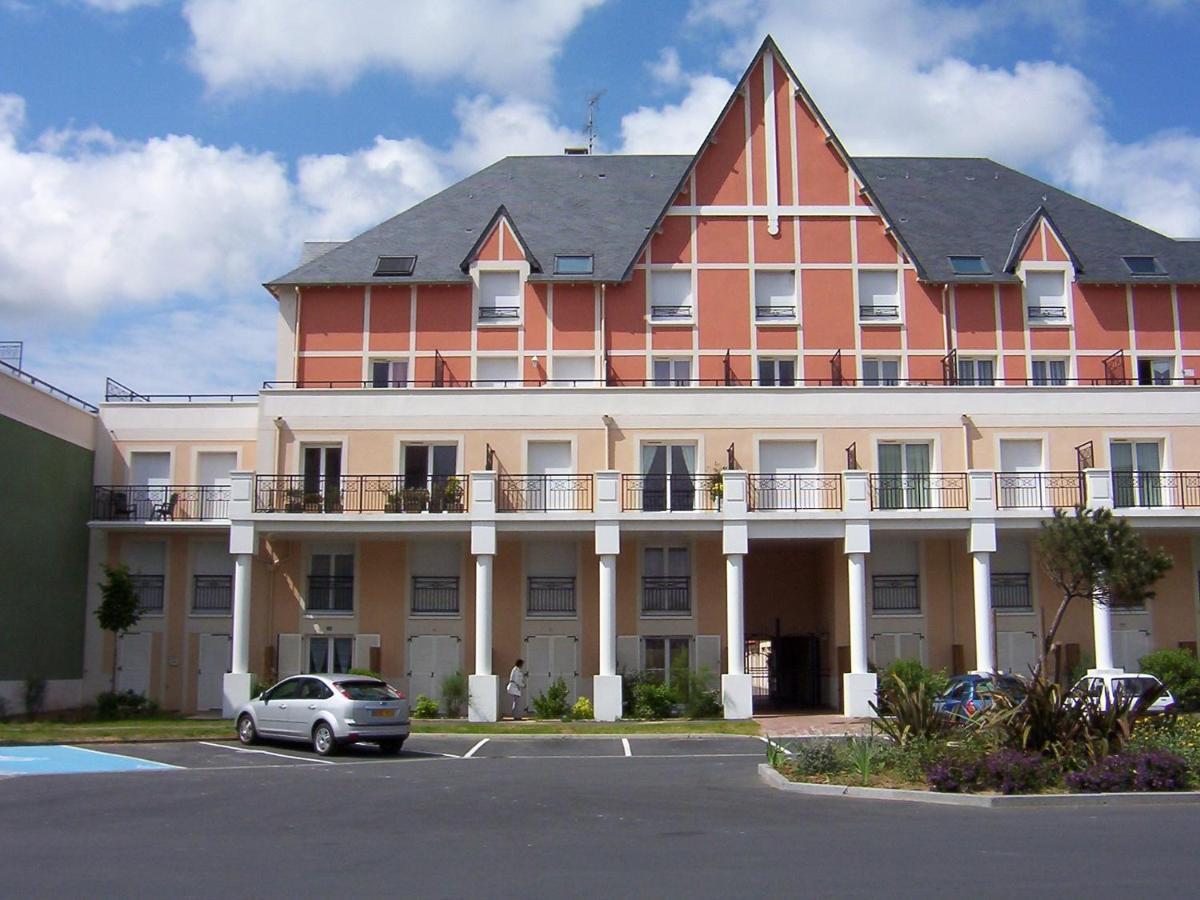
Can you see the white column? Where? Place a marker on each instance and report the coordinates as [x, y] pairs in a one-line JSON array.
[[985, 632], [483, 688], [243, 542], [1102, 635], [737, 692], [856, 564], [608, 614], [242, 563], [735, 614], [483, 614], [859, 686]]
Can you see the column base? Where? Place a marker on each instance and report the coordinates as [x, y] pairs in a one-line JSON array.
[[858, 692], [737, 696], [235, 692], [483, 698], [607, 697]]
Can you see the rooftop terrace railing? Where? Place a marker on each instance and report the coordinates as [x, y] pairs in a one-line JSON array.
[[50, 389]]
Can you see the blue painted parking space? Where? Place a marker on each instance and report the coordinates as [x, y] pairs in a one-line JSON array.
[[60, 760]]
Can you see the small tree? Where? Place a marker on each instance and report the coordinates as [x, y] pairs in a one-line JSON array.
[[1094, 556], [119, 609]]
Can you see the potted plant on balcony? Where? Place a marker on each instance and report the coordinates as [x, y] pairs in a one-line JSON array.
[[393, 502], [293, 500], [716, 486], [416, 499], [453, 495]]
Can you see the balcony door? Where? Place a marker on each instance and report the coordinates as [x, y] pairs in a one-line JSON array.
[[1136, 472], [212, 470], [429, 470], [668, 477], [903, 476], [322, 477], [149, 480], [782, 464], [1017, 459], [552, 486]]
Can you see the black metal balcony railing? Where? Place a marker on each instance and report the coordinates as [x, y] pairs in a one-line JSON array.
[[666, 595], [434, 595], [1040, 490], [212, 593], [895, 593], [675, 311], [795, 491], [544, 493], [1010, 591], [767, 313], [1152, 489], [551, 596], [671, 493], [159, 503], [874, 311], [149, 590], [498, 313], [918, 490], [1046, 313], [361, 494], [330, 593]]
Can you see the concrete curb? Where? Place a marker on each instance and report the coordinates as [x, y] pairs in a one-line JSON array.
[[977, 801]]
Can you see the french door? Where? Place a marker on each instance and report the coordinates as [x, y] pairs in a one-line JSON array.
[[668, 473]]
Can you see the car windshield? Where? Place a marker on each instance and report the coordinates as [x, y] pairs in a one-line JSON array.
[[366, 690], [957, 690], [1133, 687]]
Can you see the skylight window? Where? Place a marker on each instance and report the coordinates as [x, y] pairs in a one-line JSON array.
[[1143, 265], [395, 265], [969, 265], [573, 264]]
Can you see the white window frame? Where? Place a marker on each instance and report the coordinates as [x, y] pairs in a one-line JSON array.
[[1037, 268], [1167, 361], [774, 362], [762, 276], [331, 551], [651, 301], [1047, 361], [666, 551], [515, 361], [974, 362], [673, 362], [392, 380], [491, 267], [860, 300], [880, 379], [669, 640], [306, 652]]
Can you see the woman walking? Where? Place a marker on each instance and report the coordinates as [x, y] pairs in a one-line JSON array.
[[516, 687]]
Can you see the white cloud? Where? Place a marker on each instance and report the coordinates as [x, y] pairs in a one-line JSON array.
[[676, 127], [503, 45], [119, 6], [490, 130]]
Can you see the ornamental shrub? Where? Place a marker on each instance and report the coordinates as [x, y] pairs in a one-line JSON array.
[[910, 673], [816, 757], [1179, 670], [424, 708], [552, 703], [1015, 772], [454, 694], [953, 776], [124, 705], [583, 709], [1179, 735], [1152, 770], [652, 701]]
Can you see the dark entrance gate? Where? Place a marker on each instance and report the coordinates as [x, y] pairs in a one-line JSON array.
[[785, 671]]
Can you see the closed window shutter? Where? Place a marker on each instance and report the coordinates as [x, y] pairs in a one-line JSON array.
[[421, 682], [289, 655]]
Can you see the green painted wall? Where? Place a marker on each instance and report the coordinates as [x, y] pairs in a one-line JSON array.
[[45, 496]]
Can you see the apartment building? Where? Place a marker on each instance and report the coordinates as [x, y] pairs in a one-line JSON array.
[[770, 411]]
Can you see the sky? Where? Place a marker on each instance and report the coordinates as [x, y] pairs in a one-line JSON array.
[[161, 159]]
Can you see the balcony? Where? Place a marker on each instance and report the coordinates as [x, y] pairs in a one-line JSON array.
[[551, 596], [360, 494], [918, 490], [671, 313], [671, 493], [1147, 490], [212, 594], [1010, 593], [160, 503], [666, 595], [877, 313], [330, 593], [149, 590], [544, 493], [434, 595], [1040, 490], [795, 491]]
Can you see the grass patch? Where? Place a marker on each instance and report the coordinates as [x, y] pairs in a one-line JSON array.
[[680, 726], [160, 729]]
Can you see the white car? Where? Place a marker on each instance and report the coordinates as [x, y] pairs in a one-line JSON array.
[[1110, 686], [329, 711]]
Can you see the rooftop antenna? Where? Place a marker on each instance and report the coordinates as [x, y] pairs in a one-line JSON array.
[[593, 102]]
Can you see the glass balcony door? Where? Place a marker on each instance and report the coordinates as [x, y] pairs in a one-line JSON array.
[[904, 476], [322, 477], [429, 471], [668, 472], [1137, 473]]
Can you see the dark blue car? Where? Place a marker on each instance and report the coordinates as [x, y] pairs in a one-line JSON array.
[[969, 695]]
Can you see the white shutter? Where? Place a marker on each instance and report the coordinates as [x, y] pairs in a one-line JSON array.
[[564, 662], [1016, 651], [420, 667], [447, 657], [708, 656], [912, 646], [886, 650], [362, 650], [289, 655], [629, 657]]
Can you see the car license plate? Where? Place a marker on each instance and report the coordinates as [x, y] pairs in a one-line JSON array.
[[383, 713]]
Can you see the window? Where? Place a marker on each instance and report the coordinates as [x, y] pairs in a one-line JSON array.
[[496, 371], [331, 581], [212, 578], [395, 265], [573, 370], [389, 373], [666, 581], [1136, 473], [1049, 372], [895, 594], [668, 481], [878, 296], [550, 583], [147, 561], [434, 595], [670, 296], [903, 481], [1046, 296], [573, 265], [1143, 265], [777, 372], [1010, 592], [785, 477], [430, 478], [325, 655], [499, 296], [969, 265], [1020, 482], [774, 296], [322, 480], [881, 372], [976, 371], [666, 657], [672, 372], [1155, 371]]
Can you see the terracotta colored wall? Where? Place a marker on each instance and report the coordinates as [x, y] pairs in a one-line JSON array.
[[331, 318]]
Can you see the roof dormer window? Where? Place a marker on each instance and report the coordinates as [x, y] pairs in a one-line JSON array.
[[1143, 265], [395, 265], [573, 264], [969, 265]]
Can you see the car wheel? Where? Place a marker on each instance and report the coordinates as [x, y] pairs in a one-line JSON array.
[[323, 740], [246, 731], [391, 746]]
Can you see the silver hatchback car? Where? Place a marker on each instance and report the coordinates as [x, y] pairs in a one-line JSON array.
[[328, 711]]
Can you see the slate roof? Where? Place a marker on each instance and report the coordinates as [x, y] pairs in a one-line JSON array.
[[602, 205], [948, 206]]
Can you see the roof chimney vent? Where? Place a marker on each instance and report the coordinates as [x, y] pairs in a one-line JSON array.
[[575, 151]]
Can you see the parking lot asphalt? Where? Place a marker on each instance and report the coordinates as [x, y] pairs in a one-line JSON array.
[[545, 816]]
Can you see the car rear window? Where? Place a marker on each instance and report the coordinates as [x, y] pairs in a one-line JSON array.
[[1133, 687], [366, 690]]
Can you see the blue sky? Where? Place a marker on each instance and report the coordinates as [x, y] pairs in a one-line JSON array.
[[160, 159]]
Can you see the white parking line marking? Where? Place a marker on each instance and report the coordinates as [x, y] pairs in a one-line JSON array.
[[775, 744], [625, 744], [474, 749], [299, 759]]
